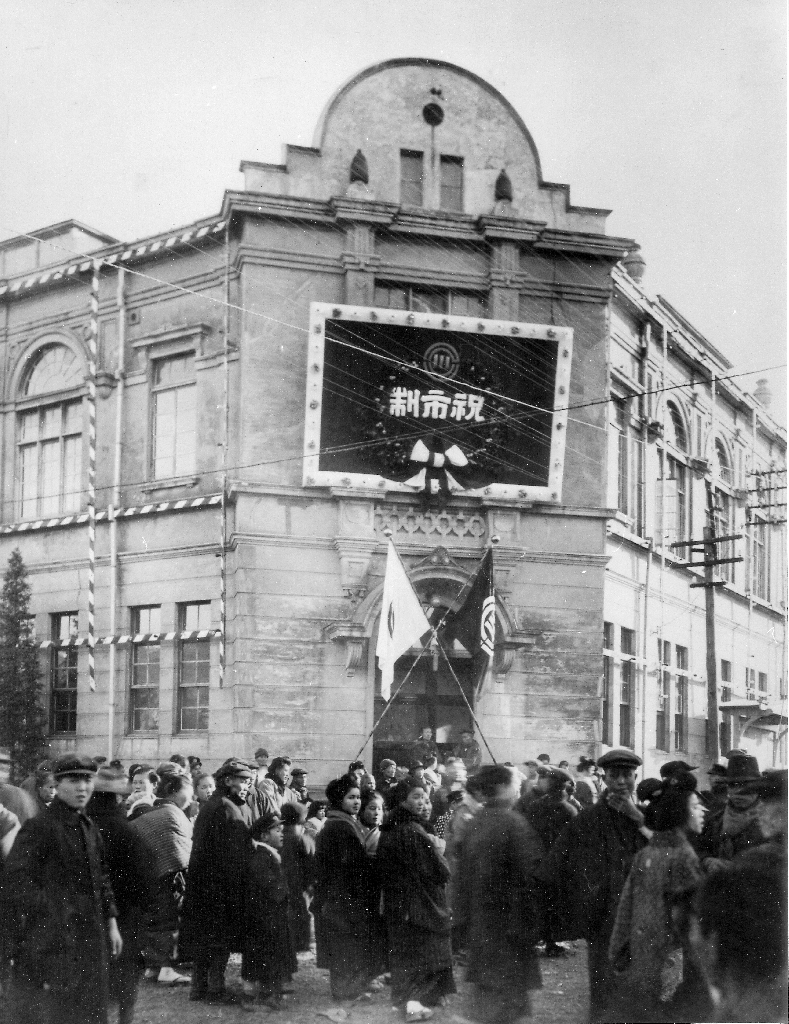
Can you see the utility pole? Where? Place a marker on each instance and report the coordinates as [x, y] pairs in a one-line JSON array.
[[707, 547]]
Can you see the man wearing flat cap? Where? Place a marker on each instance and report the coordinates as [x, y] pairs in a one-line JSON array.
[[588, 866], [213, 913], [58, 896]]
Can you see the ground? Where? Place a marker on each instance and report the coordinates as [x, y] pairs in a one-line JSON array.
[[562, 999]]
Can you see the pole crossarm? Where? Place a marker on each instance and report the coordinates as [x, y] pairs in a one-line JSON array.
[[713, 561], [707, 540]]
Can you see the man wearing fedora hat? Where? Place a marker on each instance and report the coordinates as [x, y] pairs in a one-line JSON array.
[[57, 892], [771, 810], [733, 828], [587, 868]]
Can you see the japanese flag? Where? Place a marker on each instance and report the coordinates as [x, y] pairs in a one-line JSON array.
[[403, 621]]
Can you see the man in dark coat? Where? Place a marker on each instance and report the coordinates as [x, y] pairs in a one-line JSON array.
[[130, 868], [496, 898], [733, 828], [548, 815], [57, 890], [212, 923], [588, 866]]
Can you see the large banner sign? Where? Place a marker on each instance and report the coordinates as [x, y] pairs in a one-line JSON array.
[[430, 403]]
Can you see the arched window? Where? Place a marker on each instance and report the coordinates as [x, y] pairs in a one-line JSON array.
[[723, 462], [678, 435], [49, 436]]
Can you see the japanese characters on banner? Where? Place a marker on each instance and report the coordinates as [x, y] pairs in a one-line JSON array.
[[435, 404]]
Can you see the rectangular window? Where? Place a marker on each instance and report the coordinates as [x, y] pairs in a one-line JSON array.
[[431, 300], [664, 689], [724, 727], [627, 646], [725, 671], [760, 559], [724, 527], [452, 183], [681, 707], [63, 674], [50, 460], [411, 177], [174, 415], [608, 680], [750, 684], [144, 676], [628, 459], [762, 684], [194, 667]]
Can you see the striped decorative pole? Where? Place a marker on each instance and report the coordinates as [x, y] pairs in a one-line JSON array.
[[93, 347], [222, 584]]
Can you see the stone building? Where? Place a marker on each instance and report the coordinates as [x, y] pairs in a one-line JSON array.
[[249, 470], [684, 439]]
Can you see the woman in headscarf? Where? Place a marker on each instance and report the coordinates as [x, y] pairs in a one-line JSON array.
[[345, 906], [414, 877]]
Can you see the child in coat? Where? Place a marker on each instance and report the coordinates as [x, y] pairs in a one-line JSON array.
[[269, 959]]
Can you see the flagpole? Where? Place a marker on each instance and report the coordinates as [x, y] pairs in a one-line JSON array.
[[465, 698]]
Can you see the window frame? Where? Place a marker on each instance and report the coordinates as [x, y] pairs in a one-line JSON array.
[[414, 155], [682, 696], [56, 669], [156, 362], [446, 189], [203, 645], [607, 683], [627, 681], [139, 626], [70, 489]]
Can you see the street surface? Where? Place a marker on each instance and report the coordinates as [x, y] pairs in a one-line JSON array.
[[562, 999]]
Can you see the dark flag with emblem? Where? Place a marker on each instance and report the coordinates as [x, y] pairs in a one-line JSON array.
[[403, 621], [474, 623]]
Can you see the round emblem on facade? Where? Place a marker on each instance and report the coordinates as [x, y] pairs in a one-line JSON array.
[[443, 358]]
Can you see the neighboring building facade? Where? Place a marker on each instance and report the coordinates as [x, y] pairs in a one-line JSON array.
[[675, 437], [241, 533]]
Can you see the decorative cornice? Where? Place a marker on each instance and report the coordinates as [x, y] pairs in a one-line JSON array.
[[363, 211], [604, 246], [510, 229]]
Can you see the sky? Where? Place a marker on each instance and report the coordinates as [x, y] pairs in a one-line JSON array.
[[133, 117]]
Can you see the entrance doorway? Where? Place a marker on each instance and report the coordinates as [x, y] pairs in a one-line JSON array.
[[430, 697]]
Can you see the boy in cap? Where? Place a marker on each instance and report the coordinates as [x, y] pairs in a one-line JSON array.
[[298, 783], [58, 894], [588, 866]]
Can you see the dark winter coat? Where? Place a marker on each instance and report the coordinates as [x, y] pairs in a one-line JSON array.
[[131, 873], [56, 888], [348, 929], [414, 874], [497, 899], [213, 910], [414, 878], [269, 956], [298, 862], [587, 869], [725, 843]]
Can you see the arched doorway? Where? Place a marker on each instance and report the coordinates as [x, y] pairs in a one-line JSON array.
[[433, 693]]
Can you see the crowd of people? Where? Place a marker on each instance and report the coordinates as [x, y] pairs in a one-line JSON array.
[[401, 878]]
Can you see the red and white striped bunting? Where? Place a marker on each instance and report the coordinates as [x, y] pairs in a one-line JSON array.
[[183, 504], [83, 265], [124, 639]]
